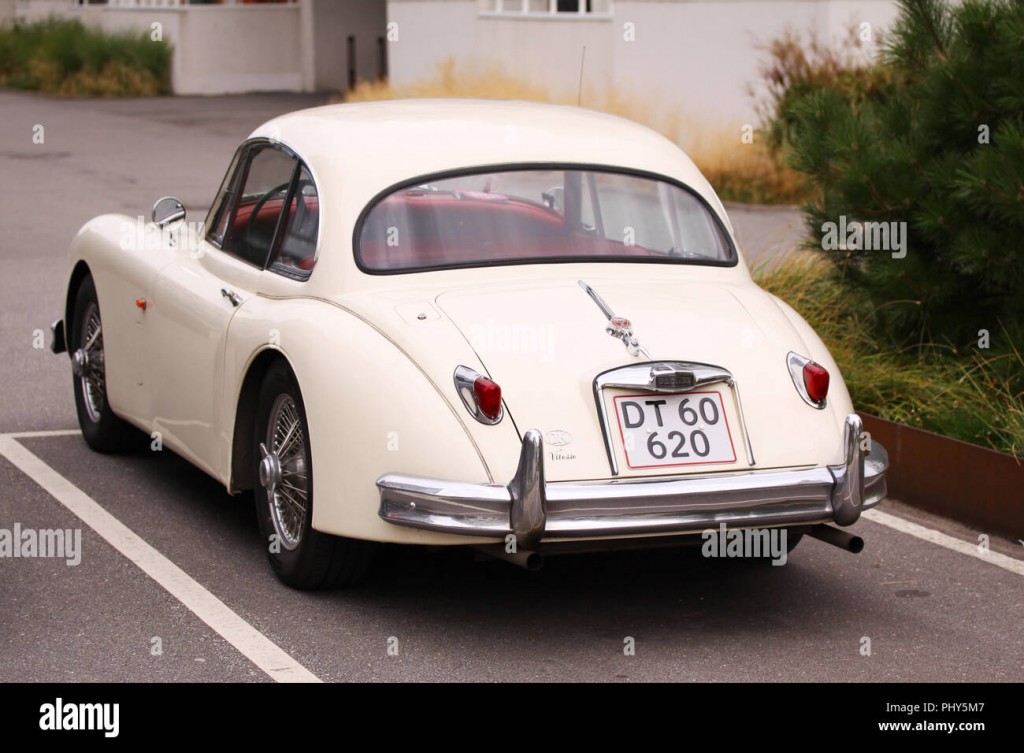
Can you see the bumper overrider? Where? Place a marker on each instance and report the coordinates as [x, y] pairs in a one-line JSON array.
[[534, 509]]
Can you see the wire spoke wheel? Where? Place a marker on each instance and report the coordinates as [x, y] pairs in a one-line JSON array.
[[102, 429], [283, 471], [301, 555], [89, 364]]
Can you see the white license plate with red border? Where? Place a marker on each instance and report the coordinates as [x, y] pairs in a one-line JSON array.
[[661, 430]]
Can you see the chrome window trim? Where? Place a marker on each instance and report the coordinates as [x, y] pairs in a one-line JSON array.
[[229, 191], [718, 221]]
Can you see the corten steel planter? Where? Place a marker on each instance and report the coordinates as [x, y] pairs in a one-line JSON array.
[[974, 485]]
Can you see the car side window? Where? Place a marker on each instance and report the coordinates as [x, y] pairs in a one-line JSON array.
[[296, 253], [223, 202], [265, 187]]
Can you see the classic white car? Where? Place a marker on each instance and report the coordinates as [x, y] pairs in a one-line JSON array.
[[519, 327]]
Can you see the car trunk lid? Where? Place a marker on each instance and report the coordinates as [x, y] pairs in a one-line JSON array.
[[545, 343]]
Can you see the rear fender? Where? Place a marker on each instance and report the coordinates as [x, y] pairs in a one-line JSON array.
[[370, 409]]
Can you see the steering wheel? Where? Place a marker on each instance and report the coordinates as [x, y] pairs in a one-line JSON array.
[[252, 239]]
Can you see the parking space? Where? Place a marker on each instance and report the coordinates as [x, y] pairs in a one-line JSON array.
[[929, 613], [98, 619]]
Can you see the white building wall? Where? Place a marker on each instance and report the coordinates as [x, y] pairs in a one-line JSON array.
[[33, 10], [427, 33], [239, 48], [7, 11], [552, 49], [706, 57], [700, 57]]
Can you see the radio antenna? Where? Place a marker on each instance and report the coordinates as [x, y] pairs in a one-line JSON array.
[[579, 96]]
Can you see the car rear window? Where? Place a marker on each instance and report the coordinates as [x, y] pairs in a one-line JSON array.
[[534, 216]]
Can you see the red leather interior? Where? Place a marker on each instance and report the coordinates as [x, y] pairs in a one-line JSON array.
[[266, 221], [416, 230], [268, 213], [424, 229]]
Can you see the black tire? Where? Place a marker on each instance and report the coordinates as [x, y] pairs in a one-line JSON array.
[[793, 537], [103, 431], [300, 556]]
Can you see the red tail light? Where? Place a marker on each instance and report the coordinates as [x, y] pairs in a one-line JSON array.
[[816, 381], [488, 397], [809, 378], [480, 394]]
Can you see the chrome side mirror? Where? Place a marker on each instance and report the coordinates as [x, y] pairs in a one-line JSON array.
[[167, 211]]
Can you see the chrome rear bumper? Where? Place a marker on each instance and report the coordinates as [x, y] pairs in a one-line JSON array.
[[533, 509]]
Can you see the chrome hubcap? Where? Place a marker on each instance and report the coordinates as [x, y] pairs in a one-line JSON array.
[[87, 364], [283, 472], [270, 470], [79, 362]]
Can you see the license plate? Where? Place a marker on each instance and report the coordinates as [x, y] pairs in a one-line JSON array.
[[660, 430]]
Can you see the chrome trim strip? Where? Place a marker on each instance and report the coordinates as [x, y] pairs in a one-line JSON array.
[[452, 506], [743, 421], [534, 510], [605, 308]]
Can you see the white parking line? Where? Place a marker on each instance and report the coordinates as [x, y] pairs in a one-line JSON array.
[[37, 434], [249, 641], [942, 539]]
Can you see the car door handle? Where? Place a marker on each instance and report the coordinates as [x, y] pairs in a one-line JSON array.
[[231, 295]]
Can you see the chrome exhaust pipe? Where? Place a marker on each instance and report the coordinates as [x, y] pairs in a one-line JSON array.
[[528, 560], [835, 537]]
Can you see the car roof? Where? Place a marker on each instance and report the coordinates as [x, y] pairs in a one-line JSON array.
[[387, 142], [357, 152]]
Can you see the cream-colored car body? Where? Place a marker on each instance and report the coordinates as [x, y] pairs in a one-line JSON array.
[[374, 354]]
